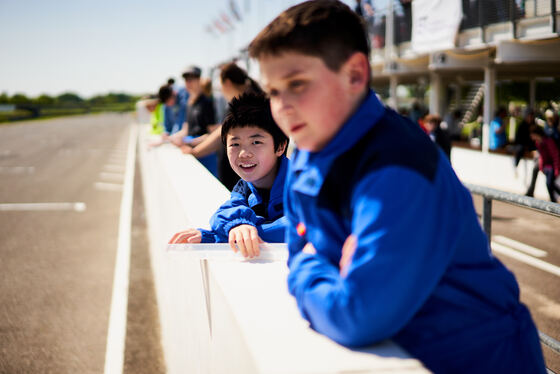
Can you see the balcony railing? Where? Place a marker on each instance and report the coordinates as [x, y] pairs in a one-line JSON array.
[[476, 13]]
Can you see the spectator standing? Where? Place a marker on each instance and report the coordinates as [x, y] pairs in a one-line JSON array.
[[174, 115], [549, 159], [432, 122], [453, 124], [498, 130], [155, 107], [523, 142], [200, 110], [199, 116], [551, 126], [168, 99]]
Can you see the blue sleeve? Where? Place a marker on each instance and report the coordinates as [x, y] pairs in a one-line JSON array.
[[168, 119], [182, 98], [232, 213], [402, 252], [236, 211], [208, 236]]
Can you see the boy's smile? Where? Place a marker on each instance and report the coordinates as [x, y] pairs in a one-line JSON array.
[[251, 154], [309, 101]]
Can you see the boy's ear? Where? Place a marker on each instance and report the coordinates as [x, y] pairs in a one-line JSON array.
[[356, 69], [280, 151]]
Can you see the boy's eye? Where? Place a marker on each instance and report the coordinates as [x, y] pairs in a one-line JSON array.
[[273, 93], [297, 85], [257, 142], [234, 144]]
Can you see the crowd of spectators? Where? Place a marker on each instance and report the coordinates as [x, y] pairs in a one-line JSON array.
[[190, 116], [533, 135]]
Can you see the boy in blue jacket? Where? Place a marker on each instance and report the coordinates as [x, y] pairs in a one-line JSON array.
[[384, 241], [256, 150]]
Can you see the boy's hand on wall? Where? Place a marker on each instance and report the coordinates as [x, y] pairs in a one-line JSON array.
[[247, 239], [187, 236]]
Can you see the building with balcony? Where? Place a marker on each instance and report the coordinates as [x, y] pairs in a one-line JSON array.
[[459, 52]]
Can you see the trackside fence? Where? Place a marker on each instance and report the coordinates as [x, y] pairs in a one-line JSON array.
[[546, 207]]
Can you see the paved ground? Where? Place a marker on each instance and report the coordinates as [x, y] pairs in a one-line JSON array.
[[539, 289], [56, 267]]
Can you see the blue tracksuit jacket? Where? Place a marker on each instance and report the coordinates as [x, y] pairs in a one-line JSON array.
[[238, 210], [422, 273]]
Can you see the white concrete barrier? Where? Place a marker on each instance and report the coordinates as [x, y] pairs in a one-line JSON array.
[[221, 314], [496, 171]]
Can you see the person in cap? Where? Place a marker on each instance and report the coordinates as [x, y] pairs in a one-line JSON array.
[[199, 116]]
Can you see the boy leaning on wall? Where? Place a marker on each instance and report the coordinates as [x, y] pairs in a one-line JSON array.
[[384, 241], [256, 150]]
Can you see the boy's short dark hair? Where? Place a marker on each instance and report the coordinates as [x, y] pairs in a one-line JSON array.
[[327, 29], [252, 109], [165, 92]]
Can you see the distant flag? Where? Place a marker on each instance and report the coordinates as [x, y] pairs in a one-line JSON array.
[[227, 20], [234, 10], [218, 24]]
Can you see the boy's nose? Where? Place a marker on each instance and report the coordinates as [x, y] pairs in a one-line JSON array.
[[245, 153]]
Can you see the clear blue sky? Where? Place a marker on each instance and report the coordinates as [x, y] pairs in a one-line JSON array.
[[98, 46]]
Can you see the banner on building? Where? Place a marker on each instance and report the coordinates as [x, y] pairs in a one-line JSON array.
[[435, 24]]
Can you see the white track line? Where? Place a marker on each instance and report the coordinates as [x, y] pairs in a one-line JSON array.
[[520, 246], [116, 335], [111, 176], [539, 264], [17, 169], [78, 207], [113, 168], [108, 186]]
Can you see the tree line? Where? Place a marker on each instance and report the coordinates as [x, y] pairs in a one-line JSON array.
[[68, 99]]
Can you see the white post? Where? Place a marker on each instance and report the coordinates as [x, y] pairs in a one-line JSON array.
[[393, 101], [489, 95], [436, 94], [532, 93]]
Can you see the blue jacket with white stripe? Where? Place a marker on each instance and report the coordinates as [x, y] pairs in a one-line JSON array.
[[422, 273]]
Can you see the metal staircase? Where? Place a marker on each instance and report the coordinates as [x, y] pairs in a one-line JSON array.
[[470, 102]]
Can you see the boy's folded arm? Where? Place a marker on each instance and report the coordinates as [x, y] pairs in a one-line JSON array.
[[233, 212], [396, 265]]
